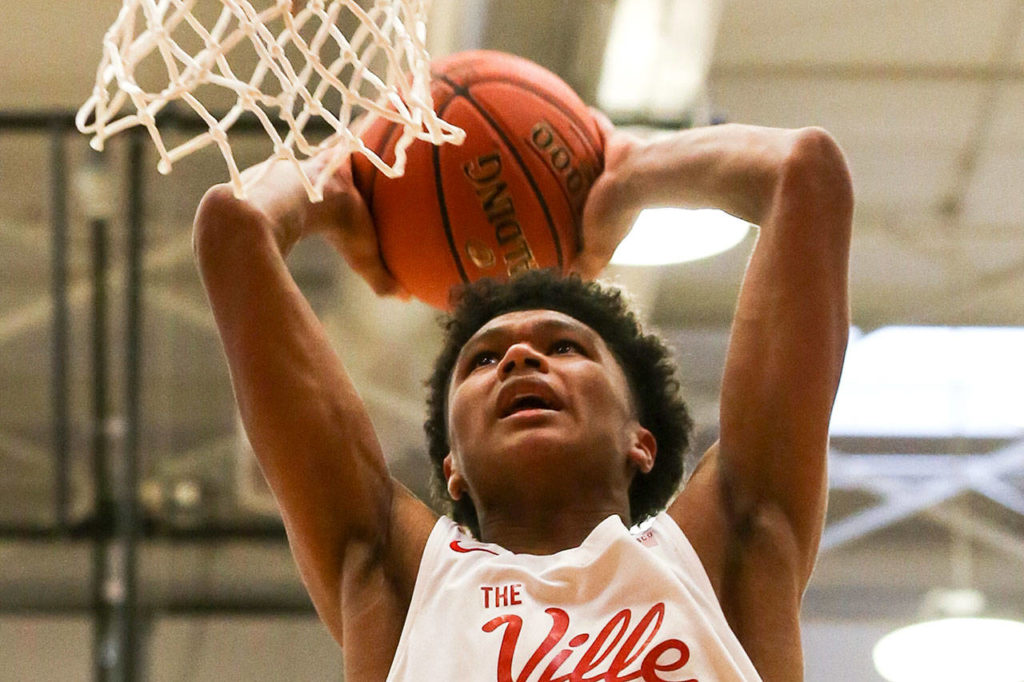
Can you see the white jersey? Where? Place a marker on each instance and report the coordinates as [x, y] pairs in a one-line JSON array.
[[619, 607]]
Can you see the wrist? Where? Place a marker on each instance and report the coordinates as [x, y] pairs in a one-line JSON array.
[[729, 167], [622, 180], [280, 198]]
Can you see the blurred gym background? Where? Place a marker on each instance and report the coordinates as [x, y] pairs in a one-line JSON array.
[[137, 540]]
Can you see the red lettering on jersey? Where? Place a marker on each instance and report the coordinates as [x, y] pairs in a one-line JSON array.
[[501, 595], [632, 656], [514, 625]]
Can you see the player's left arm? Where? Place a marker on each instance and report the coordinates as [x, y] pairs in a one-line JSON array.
[[755, 507], [763, 486], [765, 481], [767, 475], [791, 323]]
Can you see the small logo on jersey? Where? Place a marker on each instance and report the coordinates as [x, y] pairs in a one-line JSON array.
[[647, 539], [457, 546]]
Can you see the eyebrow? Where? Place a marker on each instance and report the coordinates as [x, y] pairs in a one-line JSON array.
[[546, 326]]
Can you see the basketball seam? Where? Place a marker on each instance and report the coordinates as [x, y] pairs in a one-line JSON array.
[[577, 127], [580, 127], [577, 220], [442, 204], [465, 93]]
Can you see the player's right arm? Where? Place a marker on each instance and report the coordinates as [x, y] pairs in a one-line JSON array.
[[356, 534]]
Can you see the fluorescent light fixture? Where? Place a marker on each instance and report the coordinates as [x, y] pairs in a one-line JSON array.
[[657, 56], [674, 235], [953, 650], [933, 382]]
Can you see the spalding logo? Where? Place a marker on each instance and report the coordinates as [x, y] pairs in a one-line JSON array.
[[484, 173]]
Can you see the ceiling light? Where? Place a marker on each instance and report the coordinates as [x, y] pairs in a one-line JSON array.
[[953, 650], [657, 56], [673, 235], [933, 382]]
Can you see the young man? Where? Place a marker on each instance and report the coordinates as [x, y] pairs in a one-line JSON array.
[[542, 428]]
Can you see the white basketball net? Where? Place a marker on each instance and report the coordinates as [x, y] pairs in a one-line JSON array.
[[294, 61]]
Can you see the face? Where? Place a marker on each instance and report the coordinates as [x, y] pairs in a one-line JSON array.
[[539, 392]]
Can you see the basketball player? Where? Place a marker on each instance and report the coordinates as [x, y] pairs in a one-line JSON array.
[[543, 427]]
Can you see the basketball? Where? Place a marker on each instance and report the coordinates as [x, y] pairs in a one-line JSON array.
[[509, 199]]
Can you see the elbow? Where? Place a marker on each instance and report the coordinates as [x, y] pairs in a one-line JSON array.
[[212, 214], [218, 209], [222, 224], [812, 205], [815, 169]]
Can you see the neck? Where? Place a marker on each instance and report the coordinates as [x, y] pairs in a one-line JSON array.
[[540, 529]]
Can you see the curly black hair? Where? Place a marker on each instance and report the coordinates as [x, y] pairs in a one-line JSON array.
[[644, 358]]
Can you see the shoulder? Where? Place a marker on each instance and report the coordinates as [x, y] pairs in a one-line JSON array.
[[753, 561], [726, 531]]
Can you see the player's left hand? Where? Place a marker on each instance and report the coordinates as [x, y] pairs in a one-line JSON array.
[[610, 210]]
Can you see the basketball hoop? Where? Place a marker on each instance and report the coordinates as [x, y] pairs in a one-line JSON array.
[[298, 57]]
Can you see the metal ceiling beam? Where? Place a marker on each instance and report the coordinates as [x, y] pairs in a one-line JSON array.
[[919, 483], [996, 538], [37, 312]]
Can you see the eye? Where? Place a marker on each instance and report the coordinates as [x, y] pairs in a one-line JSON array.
[[482, 359], [566, 347]]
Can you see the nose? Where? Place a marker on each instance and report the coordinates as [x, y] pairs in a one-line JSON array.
[[522, 356]]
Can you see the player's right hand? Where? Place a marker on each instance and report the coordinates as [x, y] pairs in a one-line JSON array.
[[342, 217], [345, 221]]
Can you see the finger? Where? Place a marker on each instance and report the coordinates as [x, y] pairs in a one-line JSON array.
[[370, 268], [604, 123], [358, 245], [345, 220]]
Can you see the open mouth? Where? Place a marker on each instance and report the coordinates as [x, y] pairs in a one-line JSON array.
[[525, 403]]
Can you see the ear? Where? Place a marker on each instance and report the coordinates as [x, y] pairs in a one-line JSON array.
[[643, 450], [456, 484]]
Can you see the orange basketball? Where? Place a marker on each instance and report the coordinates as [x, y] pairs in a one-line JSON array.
[[509, 199]]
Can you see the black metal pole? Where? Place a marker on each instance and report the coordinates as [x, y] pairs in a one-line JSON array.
[[127, 527], [59, 386], [115, 438], [105, 652]]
